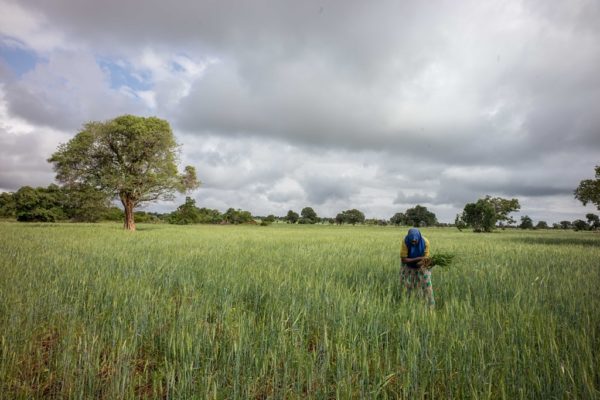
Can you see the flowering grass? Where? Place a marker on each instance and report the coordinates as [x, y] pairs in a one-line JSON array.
[[91, 311]]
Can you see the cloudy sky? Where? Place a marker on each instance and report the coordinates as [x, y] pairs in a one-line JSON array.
[[376, 105]]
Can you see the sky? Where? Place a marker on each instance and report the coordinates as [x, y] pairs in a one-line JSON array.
[[375, 105]]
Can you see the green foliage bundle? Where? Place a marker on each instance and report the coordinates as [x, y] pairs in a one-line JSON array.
[[439, 259]]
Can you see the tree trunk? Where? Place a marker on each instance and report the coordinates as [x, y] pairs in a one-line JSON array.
[[128, 206]]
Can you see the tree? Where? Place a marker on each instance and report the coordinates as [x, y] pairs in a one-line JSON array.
[[352, 216], [503, 207], [593, 220], [292, 217], [541, 225], [238, 216], [588, 190], [483, 214], [269, 218], [130, 158], [459, 222], [398, 219], [526, 222], [308, 216], [566, 225], [580, 225], [420, 216], [113, 214], [40, 204], [186, 214], [85, 204], [209, 216], [7, 205]]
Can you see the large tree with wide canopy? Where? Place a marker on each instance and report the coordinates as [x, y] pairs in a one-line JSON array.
[[130, 158]]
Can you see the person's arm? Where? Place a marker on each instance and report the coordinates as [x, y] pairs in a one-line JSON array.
[[407, 260], [404, 253]]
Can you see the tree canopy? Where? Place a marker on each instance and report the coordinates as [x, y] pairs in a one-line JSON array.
[[233, 216], [398, 219], [588, 190], [352, 216], [292, 217], [416, 216], [420, 216], [130, 158], [308, 216], [526, 222], [7, 205], [593, 220], [483, 214]]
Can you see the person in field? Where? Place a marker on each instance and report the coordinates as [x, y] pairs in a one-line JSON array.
[[414, 254]]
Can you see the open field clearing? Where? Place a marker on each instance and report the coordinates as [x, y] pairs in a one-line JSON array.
[[91, 311]]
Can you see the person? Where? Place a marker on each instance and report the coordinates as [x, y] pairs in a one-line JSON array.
[[413, 254]]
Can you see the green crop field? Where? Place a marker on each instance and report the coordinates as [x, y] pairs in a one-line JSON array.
[[249, 312]]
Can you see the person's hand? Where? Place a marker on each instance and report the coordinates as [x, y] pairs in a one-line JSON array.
[[425, 262]]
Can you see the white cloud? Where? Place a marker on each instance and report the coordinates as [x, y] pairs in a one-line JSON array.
[[24, 28], [334, 105]]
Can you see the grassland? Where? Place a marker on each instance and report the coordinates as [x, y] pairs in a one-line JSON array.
[[90, 311]]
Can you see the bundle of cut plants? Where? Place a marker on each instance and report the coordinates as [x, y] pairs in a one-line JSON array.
[[440, 259]]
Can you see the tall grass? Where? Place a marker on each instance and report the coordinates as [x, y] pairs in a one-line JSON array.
[[90, 311]]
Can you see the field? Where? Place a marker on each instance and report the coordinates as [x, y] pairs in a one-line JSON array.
[[249, 312]]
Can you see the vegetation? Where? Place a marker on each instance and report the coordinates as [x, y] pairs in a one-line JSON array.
[[593, 221], [588, 190], [292, 217], [420, 216], [541, 225], [130, 158], [352, 216], [204, 311], [308, 216], [526, 222], [80, 203], [233, 216], [398, 219], [483, 215], [438, 259], [8, 207], [416, 216]]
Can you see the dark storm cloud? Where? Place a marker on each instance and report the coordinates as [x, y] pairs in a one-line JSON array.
[[321, 189], [447, 101], [464, 82], [419, 198]]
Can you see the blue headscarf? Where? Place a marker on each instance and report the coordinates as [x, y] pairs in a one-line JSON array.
[[418, 249]]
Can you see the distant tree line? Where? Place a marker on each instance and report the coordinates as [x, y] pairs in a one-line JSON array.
[[79, 202], [84, 204]]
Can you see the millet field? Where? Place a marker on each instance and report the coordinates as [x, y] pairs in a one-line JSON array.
[[287, 311]]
